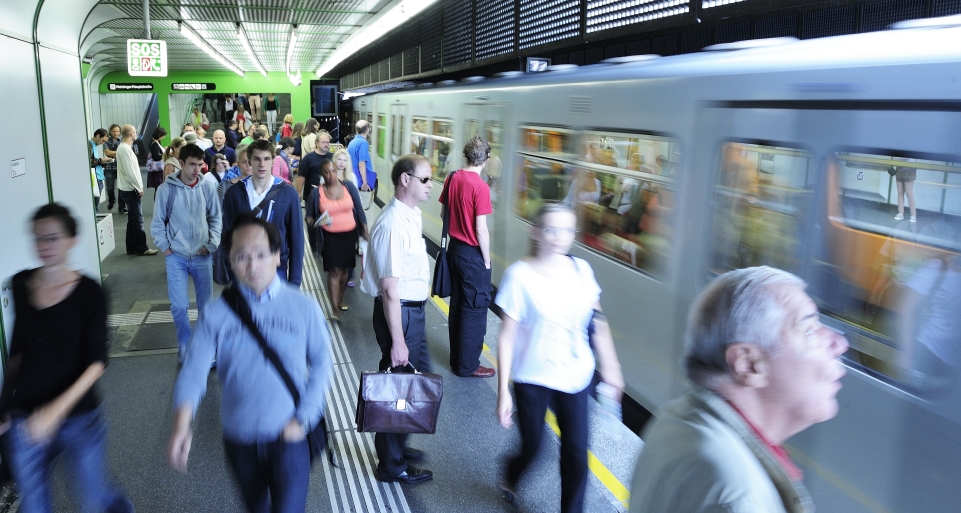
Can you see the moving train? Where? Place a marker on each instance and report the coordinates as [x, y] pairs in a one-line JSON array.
[[779, 152]]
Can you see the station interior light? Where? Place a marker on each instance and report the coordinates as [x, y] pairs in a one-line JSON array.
[[242, 34], [294, 77], [386, 21], [195, 38]]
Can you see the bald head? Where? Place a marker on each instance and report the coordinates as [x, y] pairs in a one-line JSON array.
[[219, 139], [362, 127], [128, 133]]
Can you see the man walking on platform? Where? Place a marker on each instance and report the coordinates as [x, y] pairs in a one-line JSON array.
[[397, 274], [110, 169], [359, 150], [265, 416], [186, 227], [219, 146], [467, 202], [130, 184], [272, 199]]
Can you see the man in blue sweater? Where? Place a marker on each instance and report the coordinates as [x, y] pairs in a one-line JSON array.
[[186, 227], [273, 200], [264, 431]]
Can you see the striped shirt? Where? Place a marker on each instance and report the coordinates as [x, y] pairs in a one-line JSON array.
[[397, 250]]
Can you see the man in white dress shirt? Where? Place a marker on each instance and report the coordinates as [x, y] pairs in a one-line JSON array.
[[397, 274]]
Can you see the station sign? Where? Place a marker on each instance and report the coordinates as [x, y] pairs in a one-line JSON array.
[[194, 87], [146, 58], [537, 64], [130, 87]]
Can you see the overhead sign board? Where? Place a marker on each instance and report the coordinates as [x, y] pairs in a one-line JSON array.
[[146, 58], [194, 87], [129, 87], [537, 64]]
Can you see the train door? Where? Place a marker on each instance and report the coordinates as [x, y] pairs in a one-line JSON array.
[[396, 148], [488, 121]]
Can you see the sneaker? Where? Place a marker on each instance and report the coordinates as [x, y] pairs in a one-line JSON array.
[[122, 211], [899, 217], [150, 252], [350, 283], [914, 219]]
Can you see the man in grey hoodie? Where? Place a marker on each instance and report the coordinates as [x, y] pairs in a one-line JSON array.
[[186, 227]]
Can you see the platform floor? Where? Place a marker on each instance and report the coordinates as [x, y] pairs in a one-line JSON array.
[[466, 455]]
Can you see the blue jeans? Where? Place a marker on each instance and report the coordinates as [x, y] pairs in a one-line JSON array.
[[179, 270], [273, 476], [83, 441]]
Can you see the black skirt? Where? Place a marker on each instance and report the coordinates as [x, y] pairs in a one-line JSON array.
[[339, 250]]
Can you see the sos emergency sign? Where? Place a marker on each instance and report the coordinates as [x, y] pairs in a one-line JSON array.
[[146, 58]]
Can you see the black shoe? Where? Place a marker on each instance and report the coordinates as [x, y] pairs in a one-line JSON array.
[[122, 211], [109, 206], [412, 455], [412, 475]]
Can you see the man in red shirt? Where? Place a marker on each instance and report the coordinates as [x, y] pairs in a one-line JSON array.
[[468, 198]]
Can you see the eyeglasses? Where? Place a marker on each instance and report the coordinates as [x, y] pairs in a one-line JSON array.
[[558, 231], [422, 180]]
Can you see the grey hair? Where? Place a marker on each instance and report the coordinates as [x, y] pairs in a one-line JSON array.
[[740, 306]]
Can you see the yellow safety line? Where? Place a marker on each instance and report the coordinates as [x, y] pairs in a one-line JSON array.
[[603, 474]]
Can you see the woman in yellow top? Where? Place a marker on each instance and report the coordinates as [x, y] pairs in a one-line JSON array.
[[337, 209]]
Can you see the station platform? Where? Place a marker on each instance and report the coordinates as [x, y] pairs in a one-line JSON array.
[[466, 455]]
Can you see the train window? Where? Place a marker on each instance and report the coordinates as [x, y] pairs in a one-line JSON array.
[[759, 203], [492, 170], [397, 132], [381, 134], [890, 267], [418, 136], [554, 142], [648, 154], [442, 133], [622, 213], [471, 128], [370, 118], [541, 181]]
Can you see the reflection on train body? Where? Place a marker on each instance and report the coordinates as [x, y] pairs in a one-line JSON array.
[[894, 285]]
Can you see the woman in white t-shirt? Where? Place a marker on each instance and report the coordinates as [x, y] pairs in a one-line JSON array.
[[548, 300]]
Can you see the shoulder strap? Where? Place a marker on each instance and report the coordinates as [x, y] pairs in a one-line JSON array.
[[240, 307], [274, 191], [446, 224], [170, 203]]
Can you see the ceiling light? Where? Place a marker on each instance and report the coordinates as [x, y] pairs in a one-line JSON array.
[[195, 38], [290, 46], [242, 34], [382, 24]]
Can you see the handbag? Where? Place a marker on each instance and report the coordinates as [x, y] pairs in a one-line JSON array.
[[441, 285], [398, 402], [316, 437]]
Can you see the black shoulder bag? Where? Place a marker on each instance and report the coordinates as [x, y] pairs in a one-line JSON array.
[[317, 436], [441, 285]]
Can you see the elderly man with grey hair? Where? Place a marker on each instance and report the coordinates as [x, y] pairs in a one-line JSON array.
[[764, 368]]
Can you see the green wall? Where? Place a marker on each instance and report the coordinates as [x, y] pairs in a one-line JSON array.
[[226, 81]]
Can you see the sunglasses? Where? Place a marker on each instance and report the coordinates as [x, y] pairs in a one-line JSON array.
[[423, 180]]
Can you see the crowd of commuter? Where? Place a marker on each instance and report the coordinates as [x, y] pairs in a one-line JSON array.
[[762, 365]]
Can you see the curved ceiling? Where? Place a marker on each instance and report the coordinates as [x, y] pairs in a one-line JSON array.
[[322, 25]]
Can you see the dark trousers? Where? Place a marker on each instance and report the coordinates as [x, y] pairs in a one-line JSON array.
[[390, 446], [273, 477], [571, 411], [110, 184], [469, 299], [136, 238]]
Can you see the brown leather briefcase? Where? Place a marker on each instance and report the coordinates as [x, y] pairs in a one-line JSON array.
[[398, 402]]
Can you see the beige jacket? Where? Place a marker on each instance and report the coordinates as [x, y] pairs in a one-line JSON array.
[[701, 457]]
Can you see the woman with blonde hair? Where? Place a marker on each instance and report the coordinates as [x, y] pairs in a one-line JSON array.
[[288, 129], [342, 164], [171, 162]]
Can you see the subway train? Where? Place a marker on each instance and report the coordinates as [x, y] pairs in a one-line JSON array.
[[838, 159]]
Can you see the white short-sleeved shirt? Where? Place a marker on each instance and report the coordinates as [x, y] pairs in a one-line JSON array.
[[551, 348], [397, 250], [940, 283]]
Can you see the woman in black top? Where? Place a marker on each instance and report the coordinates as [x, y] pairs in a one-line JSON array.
[[155, 175], [58, 352]]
